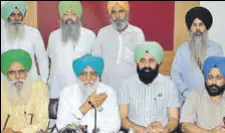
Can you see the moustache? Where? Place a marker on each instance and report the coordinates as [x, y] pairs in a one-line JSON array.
[[17, 82], [90, 83], [70, 21], [198, 33], [16, 22]]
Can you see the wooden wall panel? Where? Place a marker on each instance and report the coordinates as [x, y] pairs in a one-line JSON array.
[[31, 16]]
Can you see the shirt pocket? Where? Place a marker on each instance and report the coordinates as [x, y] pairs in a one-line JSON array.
[[128, 55], [160, 105]]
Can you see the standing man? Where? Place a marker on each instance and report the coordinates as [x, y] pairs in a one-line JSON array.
[[149, 101], [115, 43], [65, 44], [189, 59], [17, 35]]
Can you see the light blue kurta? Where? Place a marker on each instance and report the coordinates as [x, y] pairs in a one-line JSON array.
[[189, 77]]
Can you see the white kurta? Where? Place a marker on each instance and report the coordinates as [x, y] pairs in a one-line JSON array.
[[72, 98], [62, 56], [117, 50], [34, 45]]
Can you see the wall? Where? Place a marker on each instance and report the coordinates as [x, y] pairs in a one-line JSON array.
[[217, 31]]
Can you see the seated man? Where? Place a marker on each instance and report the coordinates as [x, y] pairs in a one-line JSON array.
[[204, 109], [75, 100], [149, 101], [24, 101]]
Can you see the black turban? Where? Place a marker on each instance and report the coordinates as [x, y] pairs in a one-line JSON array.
[[201, 13]]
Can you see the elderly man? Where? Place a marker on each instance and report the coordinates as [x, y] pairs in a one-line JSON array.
[[188, 62], [76, 100], [24, 101], [149, 101], [65, 44], [115, 44], [204, 110], [17, 35]]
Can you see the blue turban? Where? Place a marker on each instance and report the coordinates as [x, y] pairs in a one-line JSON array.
[[94, 62], [214, 61]]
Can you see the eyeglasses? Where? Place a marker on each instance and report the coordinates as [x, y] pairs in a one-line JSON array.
[[93, 75], [12, 73], [16, 14]]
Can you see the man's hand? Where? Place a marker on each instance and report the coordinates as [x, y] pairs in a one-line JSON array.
[[8, 130], [140, 129], [96, 99], [156, 127], [219, 129]]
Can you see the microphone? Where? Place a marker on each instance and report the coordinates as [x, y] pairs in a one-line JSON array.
[[7, 119], [95, 130], [31, 118]]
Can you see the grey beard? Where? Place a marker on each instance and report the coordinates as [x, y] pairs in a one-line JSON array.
[[70, 31], [19, 93], [198, 48], [88, 90], [119, 24], [15, 30]]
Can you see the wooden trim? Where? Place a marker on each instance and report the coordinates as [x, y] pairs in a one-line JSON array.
[[167, 62], [31, 16]]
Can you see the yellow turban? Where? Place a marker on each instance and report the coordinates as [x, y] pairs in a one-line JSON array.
[[124, 4]]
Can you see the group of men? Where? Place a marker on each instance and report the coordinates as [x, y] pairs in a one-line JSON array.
[[115, 74]]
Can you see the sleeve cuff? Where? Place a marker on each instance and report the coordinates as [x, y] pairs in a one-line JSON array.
[[186, 92], [78, 114]]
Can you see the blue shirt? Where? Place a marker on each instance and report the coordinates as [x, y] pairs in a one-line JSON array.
[[189, 77]]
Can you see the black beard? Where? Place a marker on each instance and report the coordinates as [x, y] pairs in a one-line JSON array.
[[147, 74], [215, 90]]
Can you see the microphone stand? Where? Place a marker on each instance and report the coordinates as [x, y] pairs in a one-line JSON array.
[[95, 130]]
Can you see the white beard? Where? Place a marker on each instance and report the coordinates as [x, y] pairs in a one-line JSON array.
[[89, 88], [18, 91], [15, 31]]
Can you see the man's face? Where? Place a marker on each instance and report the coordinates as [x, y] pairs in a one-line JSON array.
[[215, 82], [18, 84], [16, 72], [16, 17], [70, 25], [70, 17], [119, 17], [147, 68], [198, 27], [88, 77], [118, 12], [147, 61]]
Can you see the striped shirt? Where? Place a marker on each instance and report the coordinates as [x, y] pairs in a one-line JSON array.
[[148, 103]]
